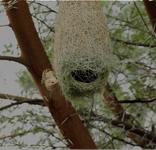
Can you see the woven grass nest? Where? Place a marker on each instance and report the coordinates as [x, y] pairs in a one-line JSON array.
[[82, 50]]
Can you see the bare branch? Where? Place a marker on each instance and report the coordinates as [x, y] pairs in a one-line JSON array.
[[142, 67], [141, 15], [47, 7], [112, 101], [20, 100], [5, 25], [131, 25], [51, 29], [37, 102], [113, 138], [15, 59], [135, 44], [14, 135], [150, 137], [136, 101]]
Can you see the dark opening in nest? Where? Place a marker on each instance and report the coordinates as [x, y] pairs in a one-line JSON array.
[[85, 76]]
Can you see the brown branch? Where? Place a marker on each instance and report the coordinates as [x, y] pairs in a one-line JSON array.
[[150, 9], [150, 137], [113, 137], [14, 135], [135, 130], [112, 101], [135, 44], [47, 7], [136, 101], [18, 98], [15, 59], [21, 102], [32, 52], [51, 29], [141, 15]]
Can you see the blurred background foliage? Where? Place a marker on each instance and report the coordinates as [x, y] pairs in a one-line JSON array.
[[132, 77]]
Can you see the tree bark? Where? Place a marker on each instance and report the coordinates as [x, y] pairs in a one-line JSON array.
[[151, 11], [36, 60], [112, 101]]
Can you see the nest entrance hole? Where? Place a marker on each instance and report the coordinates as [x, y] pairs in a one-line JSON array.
[[85, 76]]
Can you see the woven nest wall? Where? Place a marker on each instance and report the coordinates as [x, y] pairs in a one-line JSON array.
[[82, 50]]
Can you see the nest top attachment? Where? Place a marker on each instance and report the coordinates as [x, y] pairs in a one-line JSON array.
[[82, 49]]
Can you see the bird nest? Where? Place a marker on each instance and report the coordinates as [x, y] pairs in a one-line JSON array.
[[82, 50]]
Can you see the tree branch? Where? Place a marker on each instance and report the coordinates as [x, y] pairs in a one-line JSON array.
[[14, 135], [20, 100], [112, 101], [144, 21], [38, 102], [150, 137], [133, 26], [131, 43], [5, 25], [113, 137], [135, 130], [136, 101], [141, 15], [47, 7], [51, 29], [15, 59]]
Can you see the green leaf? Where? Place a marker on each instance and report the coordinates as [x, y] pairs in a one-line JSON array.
[[36, 129]]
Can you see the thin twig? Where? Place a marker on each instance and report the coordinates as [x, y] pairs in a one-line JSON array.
[[133, 26], [143, 68], [143, 20], [46, 7], [141, 16], [131, 43], [44, 23], [5, 25], [14, 135], [113, 138]]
